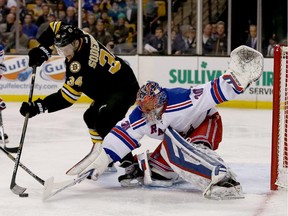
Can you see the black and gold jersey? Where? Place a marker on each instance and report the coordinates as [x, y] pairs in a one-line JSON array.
[[93, 70]]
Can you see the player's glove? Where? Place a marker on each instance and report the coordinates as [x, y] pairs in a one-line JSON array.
[[33, 108], [2, 105], [2, 68], [38, 55]]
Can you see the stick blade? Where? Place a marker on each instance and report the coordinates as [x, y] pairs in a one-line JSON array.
[[16, 189], [11, 149], [48, 187]]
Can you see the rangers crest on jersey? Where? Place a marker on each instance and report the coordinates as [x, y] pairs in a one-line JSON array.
[[75, 67]]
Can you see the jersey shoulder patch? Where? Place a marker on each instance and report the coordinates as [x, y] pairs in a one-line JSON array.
[[136, 118], [178, 99]]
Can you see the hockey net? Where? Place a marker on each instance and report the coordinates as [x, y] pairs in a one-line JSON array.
[[279, 159]]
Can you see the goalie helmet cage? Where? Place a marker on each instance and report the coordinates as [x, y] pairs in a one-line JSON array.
[[279, 150]]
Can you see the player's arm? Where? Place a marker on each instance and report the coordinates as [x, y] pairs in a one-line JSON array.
[[62, 99], [43, 52]]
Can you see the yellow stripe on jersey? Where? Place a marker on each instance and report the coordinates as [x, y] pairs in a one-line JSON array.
[[70, 94], [95, 137], [55, 26]]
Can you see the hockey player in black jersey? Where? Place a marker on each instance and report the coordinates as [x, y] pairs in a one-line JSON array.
[[90, 69]]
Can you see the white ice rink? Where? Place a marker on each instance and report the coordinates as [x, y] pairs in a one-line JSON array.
[[54, 142]]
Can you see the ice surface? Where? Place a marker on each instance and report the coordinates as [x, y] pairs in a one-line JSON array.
[[56, 141]]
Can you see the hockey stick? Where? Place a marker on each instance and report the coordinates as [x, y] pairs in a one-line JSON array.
[[41, 181], [11, 150], [13, 186], [49, 185]]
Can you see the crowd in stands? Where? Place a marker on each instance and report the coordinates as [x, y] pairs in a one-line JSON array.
[[114, 23]]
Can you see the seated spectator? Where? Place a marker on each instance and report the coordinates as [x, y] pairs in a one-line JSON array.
[[220, 45], [70, 17], [189, 36], [273, 40], [105, 5], [60, 11], [6, 29], [101, 34], [44, 17], [91, 23], [208, 42], [37, 9], [50, 18], [28, 27], [4, 11], [119, 31], [108, 22], [96, 11], [178, 44], [23, 42], [114, 12], [157, 44]]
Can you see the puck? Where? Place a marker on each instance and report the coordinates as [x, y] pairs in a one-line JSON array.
[[24, 195]]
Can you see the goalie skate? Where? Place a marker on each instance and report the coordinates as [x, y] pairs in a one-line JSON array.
[[225, 190], [245, 67]]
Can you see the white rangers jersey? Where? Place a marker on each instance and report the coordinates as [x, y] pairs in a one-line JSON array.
[[185, 110]]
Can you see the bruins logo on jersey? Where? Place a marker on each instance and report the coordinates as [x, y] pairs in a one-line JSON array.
[[75, 67]]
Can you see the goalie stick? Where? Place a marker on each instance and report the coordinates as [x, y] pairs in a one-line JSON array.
[[49, 185], [16, 189], [12, 149]]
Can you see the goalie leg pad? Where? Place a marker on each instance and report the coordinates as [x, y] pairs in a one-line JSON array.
[[195, 163], [245, 67]]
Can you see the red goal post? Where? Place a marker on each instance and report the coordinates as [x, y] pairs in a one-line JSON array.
[[279, 152]]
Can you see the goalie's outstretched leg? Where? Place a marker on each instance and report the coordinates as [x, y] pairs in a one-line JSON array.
[[245, 67], [199, 165]]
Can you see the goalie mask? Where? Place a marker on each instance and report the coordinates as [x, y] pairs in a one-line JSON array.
[[151, 99], [64, 40]]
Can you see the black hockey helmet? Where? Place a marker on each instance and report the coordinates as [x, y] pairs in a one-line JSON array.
[[66, 35]]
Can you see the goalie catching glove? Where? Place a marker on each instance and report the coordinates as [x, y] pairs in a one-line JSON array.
[[38, 55], [33, 108]]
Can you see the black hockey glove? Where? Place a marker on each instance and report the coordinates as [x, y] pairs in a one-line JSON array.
[[33, 108], [38, 55], [2, 68]]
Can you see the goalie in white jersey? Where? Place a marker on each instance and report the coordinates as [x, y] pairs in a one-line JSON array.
[[173, 115]]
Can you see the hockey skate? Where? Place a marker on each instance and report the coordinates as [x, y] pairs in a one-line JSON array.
[[226, 189], [133, 176]]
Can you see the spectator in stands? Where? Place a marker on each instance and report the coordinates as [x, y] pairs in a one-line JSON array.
[[105, 5], [44, 17], [84, 17], [101, 34], [208, 42], [91, 23], [158, 42], [108, 22], [220, 45], [97, 11], [23, 42], [28, 27], [37, 9], [150, 14], [4, 11], [178, 44], [214, 31], [131, 11], [273, 40], [60, 10], [50, 18], [119, 31], [114, 12], [252, 37], [189, 36], [70, 17], [6, 29]]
